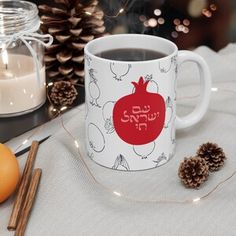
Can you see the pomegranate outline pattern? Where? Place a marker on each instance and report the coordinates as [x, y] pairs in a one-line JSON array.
[[171, 155], [161, 158], [169, 111], [145, 154], [90, 155], [163, 69], [118, 76], [151, 83], [172, 132], [86, 108], [121, 161], [152, 86], [108, 118], [174, 59], [94, 90], [88, 59], [95, 132], [166, 69], [175, 82]]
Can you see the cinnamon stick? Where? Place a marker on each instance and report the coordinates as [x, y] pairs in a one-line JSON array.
[[29, 200], [24, 183]]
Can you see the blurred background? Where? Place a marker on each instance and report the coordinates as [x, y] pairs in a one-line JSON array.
[[189, 23]]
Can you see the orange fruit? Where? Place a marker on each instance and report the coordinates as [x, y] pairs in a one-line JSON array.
[[9, 172]]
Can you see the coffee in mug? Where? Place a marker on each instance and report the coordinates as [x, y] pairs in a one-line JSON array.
[[130, 54]]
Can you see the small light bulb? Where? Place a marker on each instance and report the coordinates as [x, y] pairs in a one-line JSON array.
[[142, 18], [4, 55], [214, 89], [161, 21], [50, 84], [76, 144], [88, 13], [197, 199], [157, 12], [25, 142], [177, 21], [213, 7], [152, 22], [63, 108], [121, 10], [117, 193]]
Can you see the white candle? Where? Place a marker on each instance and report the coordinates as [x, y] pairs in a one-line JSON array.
[[20, 90]]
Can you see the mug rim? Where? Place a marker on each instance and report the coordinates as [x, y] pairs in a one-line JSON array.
[[97, 40]]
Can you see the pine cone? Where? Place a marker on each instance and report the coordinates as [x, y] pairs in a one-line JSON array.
[[193, 171], [63, 93], [72, 23], [213, 155]]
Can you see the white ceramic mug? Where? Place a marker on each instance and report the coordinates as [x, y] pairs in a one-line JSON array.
[[131, 105]]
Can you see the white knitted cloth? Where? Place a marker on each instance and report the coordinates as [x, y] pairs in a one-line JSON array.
[[68, 202]]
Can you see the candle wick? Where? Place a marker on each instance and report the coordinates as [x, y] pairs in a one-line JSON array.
[[6, 66]]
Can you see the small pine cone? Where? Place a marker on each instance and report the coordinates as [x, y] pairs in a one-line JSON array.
[[213, 155], [193, 171], [63, 93]]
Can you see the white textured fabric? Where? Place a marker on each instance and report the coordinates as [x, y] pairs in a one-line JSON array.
[[69, 203]]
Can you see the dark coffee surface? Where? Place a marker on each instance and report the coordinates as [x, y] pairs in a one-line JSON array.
[[131, 54]]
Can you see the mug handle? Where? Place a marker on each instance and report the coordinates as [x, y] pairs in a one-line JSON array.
[[205, 89]]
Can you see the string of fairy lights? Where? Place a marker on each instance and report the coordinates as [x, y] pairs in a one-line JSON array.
[[76, 144], [180, 26], [195, 9], [119, 12]]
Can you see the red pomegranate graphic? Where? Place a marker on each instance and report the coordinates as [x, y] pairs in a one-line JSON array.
[[139, 117]]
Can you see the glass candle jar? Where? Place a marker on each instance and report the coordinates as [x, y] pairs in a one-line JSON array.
[[22, 69]]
